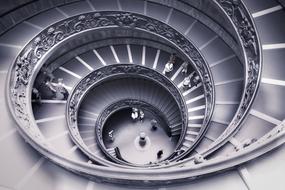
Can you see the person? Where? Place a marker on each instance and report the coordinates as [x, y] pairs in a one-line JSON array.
[[57, 90], [50, 86], [111, 135], [60, 91], [185, 68], [191, 80], [196, 79], [153, 124], [141, 115], [159, 153], [169, 65], [135, 113], [186, 83], [168, 68], [36, 96]]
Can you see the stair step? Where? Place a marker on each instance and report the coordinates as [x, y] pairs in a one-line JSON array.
[[111, 151], [175, 133], [188, 138], [175, 125], [176, 129], [192, 133], [187, 144]]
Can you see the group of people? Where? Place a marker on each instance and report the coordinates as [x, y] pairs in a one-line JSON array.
[[189, 80], [168, 68], [58, 89], [137, 114], [46, 87]]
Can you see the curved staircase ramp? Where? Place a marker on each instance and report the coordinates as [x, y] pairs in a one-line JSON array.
[[219, 65]]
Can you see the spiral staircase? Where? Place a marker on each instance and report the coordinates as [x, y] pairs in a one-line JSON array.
[[142, 94]]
